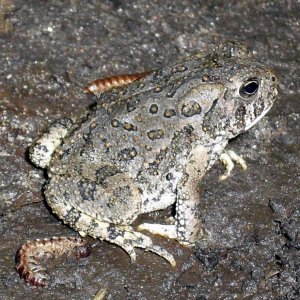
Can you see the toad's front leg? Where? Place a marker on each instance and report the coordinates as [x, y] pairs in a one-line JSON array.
[[228, 158]]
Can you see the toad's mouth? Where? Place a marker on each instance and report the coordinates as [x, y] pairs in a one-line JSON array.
[[259, 117]]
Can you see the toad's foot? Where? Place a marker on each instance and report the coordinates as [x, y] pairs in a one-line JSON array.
[[129, 240], [228, 159], [123, 236], [32, 253]]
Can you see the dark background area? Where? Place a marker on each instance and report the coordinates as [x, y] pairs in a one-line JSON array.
[[50, 49]]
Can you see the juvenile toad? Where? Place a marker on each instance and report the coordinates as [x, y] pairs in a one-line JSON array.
[[146, 146]]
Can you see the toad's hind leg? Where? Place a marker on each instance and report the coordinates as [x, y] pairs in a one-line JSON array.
[[84, 219], [123, 236]]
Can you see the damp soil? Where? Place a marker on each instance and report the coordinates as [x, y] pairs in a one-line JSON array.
[[50, 49]]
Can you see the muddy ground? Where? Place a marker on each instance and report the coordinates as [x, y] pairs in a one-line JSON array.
[[50, 49]]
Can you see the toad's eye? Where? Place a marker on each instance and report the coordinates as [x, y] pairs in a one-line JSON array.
[[249, 88]]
